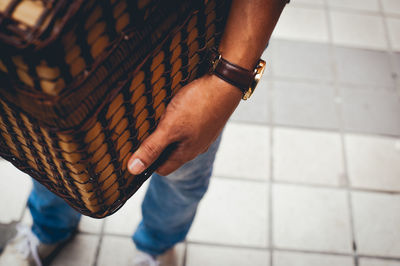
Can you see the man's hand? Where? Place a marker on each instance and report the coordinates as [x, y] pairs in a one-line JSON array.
[[192, 121], [196, 115]]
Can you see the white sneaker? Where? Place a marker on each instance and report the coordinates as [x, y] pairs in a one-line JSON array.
[[168, 258], [25, 249], [144, 259]]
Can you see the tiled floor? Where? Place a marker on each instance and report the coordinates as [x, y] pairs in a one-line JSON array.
[[308, 173]]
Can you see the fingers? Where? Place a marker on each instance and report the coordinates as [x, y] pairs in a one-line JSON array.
[[148, 151]]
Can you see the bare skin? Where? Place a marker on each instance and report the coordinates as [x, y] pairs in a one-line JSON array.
[[199, 111]]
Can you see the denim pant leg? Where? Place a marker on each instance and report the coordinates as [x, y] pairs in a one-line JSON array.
[[53, 219], [170, 204]]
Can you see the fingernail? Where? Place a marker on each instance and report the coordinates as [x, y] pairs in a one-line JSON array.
[[136, 167]]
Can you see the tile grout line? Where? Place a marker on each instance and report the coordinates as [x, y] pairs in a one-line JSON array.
[[282, 182], [225, 245], [338, 106], [311, 185], [341, 132], [99, 243], [233, 246], [318, 129], [185, 246], [351, 10], [359, 11], [397, 259], [315, 81], [270, 197], [390, 50], [294, 250], [342, 138]]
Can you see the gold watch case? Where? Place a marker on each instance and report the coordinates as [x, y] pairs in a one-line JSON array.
[[258, 72]]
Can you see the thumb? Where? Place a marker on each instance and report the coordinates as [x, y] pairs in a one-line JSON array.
[[148, 152]]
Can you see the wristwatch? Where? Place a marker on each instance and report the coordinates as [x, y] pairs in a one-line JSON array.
[[244, 79]]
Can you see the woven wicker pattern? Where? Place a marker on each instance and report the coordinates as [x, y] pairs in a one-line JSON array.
[[82, 155], [80, 48], [126, 53], [25, 19]]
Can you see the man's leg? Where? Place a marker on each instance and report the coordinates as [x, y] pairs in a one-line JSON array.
[[53, 219], [170, 204]]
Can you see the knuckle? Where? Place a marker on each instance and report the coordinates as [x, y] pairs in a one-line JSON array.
[[151, 149]]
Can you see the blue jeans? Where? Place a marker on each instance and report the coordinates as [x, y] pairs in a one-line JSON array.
[[168, 208]]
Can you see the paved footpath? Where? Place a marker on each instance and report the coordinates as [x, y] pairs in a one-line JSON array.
[[308, 173]]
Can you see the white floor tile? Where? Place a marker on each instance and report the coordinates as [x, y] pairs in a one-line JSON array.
[[305, 156], [15, 187], [121, 251], [256, 110], [80, 252], [373, 162], [394, 32], [356, 30], [364, 5], [315, 219], [199, 255], [377, 262], [301, 23], [391, 6], [90, 225], [318, 3], [376, 221], [116, 251], [284, 258], [244, 152], [233, 212], [301, 104], [287, 59], [125, 220], [364, 67]]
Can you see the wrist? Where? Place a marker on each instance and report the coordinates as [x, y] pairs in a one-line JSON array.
[[246, 59], [243, 79], [221, 88]]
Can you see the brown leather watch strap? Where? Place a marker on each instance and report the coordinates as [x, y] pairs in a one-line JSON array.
[[231, 73], [234, 74], [244, 79]]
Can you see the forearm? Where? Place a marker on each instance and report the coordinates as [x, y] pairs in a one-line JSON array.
[[248, 29]]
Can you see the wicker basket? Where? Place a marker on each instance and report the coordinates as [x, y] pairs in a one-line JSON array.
[[76, 136]]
